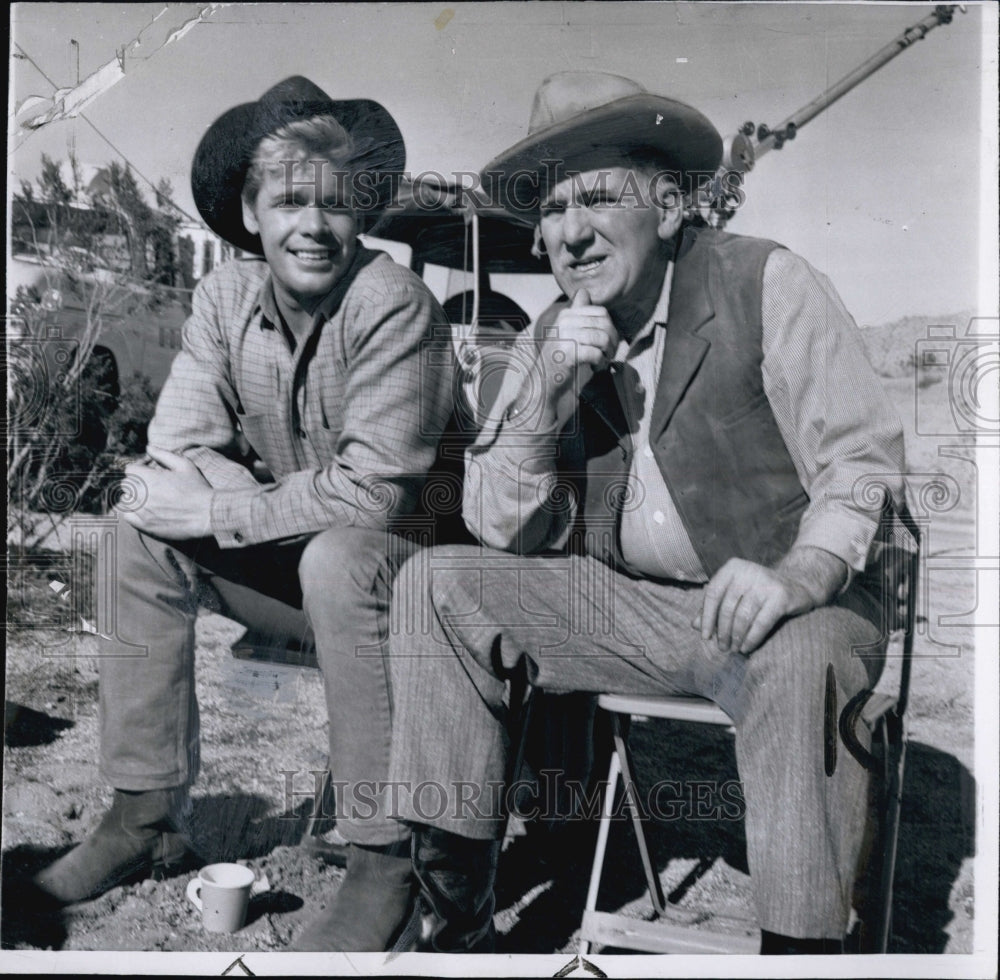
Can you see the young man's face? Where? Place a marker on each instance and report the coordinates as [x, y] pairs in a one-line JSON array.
[[306, 228], [604, 231]]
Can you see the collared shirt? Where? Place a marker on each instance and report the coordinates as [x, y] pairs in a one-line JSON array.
[[348, 422], [654, 540], [833, 414]]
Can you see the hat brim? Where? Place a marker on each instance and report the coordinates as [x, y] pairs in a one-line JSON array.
[[224, 154], [675, 133]]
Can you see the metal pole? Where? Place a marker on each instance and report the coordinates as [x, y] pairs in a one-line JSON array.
[[741, 150], [772, 139]]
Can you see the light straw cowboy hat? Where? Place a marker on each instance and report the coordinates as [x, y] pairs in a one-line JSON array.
[[585, 120]]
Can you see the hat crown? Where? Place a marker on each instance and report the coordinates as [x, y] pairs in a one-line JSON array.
[[566, 94], [296, 88], [584, 120], [292, 98]]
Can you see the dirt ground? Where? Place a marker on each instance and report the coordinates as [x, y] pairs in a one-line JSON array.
[[264, 733]]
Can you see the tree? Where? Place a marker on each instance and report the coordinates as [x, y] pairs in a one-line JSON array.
[[115, 189], [62, 402], [185, 262], [165, 219]]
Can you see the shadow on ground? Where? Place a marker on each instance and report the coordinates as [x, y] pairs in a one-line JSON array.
[[29, 917], [23, 726], [936, 834], [544, 874], [223, 828], [231, 828]]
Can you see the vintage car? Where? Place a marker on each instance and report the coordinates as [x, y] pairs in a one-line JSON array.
[[139, 329]]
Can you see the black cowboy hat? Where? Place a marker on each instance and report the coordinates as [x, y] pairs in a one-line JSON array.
[[226, 150], [580, 119]]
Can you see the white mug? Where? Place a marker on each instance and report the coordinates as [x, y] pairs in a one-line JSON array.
[[222, 893]]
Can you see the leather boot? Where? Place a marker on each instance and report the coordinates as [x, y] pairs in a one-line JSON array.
[[371, 907], [456, 902], [139, 836]]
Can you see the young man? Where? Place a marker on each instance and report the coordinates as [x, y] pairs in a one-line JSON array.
[[679, 470], [331, 362]]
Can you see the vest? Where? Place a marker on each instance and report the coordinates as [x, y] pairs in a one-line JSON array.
[[713, 434]]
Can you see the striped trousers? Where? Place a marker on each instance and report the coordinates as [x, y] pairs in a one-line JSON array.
[[466, 620]]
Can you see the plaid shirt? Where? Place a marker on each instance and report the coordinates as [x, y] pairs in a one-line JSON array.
[[348, 423]]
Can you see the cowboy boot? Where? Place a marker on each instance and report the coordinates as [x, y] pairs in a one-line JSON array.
[[371, 907], [456, 877], [140, 835]]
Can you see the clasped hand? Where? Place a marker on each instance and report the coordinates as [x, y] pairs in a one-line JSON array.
[[174, 499]]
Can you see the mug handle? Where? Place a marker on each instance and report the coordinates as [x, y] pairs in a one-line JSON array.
[[260, 886], [194, 893]]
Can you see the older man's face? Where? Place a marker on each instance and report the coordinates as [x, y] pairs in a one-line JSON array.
[[604, 231]]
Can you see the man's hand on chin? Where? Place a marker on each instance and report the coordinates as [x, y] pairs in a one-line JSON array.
[[744, 601], [175, 499]]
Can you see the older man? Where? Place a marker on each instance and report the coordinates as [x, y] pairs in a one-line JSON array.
[[672, 457], [329, 360]]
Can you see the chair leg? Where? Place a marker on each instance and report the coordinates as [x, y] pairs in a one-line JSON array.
[[600, 849], [625, 756], [895, 753]]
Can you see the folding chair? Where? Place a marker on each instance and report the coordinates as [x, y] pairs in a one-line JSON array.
[[881, 713], [884, 716], [614, 928]]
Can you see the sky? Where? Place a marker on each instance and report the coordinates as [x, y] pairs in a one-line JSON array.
[[886, 191]]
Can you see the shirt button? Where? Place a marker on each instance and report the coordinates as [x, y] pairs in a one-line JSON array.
[[647, 451], [640, 388], [680, 575], [658, 516], [238, 536], [301, 433]]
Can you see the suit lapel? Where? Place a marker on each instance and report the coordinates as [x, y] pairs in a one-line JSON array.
[[684, 350]]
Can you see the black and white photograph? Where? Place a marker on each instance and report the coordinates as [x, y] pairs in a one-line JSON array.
[[502, 489]]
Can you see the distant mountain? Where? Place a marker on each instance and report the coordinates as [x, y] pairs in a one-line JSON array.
[[891, 347]]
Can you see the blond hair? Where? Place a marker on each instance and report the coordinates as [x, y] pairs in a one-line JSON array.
[[302, 140]]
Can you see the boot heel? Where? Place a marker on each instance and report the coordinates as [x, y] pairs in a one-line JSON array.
[[171, 856]]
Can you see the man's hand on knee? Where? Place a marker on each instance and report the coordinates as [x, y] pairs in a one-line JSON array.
[[175, 500], [744, 601]]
